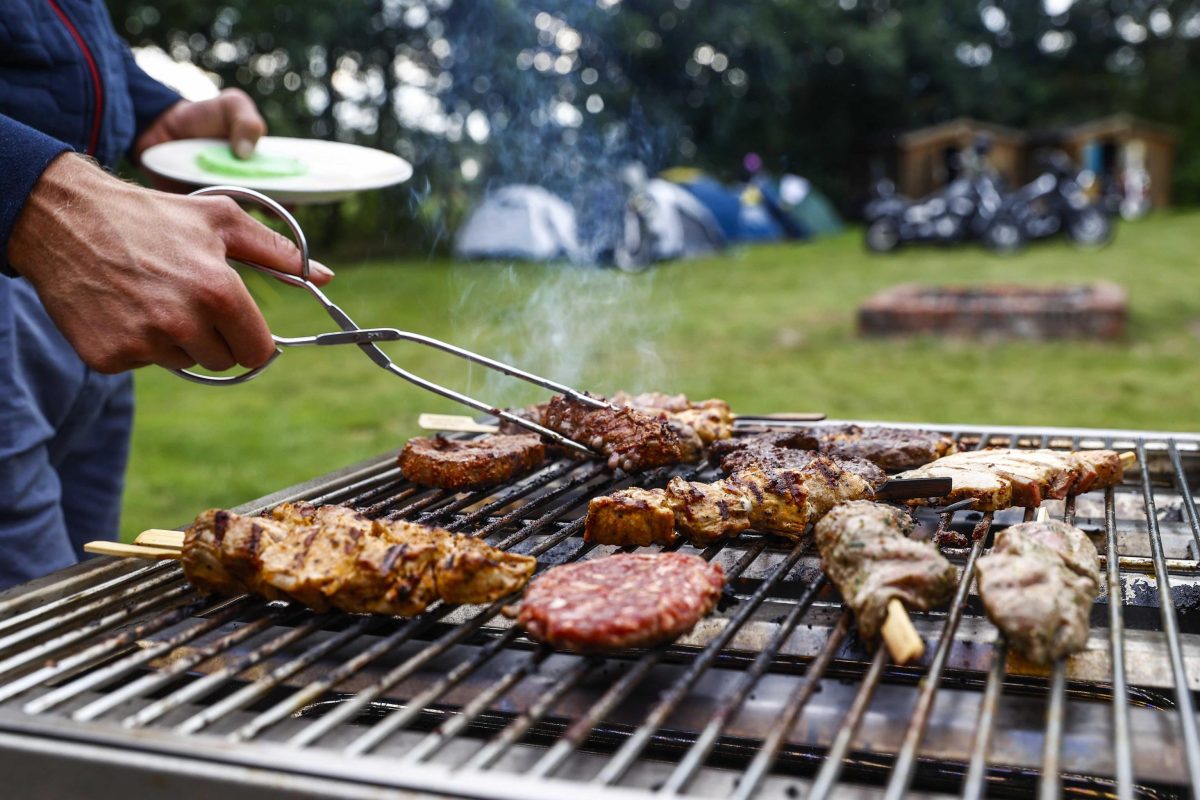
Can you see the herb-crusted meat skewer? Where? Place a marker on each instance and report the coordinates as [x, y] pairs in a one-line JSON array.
[[334, 557], [1038, 585], [867, 552]]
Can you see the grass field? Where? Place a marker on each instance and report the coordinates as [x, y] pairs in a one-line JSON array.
[[769, 328]]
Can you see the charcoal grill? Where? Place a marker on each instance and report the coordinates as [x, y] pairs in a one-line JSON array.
[[116, 679]]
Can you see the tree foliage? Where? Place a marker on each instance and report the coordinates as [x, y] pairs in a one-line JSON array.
[[564, 92]]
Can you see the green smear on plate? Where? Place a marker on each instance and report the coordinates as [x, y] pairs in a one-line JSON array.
[[219, 159]]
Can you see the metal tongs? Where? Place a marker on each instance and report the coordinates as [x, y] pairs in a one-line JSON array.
[[365, 338]]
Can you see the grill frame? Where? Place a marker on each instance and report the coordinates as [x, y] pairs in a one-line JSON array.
[[265, 767]]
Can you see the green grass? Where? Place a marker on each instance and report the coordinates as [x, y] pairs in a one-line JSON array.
[[769, 328]]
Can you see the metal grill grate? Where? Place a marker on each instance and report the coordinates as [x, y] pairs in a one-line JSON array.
[[122, 666]]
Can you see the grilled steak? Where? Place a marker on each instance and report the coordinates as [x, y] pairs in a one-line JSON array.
[[630, 439], [1000, 478], [334, 557], [887, 448], [787, 501], [620, 601], [867, 553], [1037, 586], [470, 464]]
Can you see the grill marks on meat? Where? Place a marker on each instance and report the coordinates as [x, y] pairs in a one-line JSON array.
[[711, 420], [470, 464], [867, 552], [620, 601], [792, 450], [630, 439], [887, 448], [334, 557], [781, 501], [1038, 585], [1001, 478]]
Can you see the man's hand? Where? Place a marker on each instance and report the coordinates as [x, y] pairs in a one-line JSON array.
[[230, 115], [134, 277]]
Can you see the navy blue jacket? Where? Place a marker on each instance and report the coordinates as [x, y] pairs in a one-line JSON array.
[[67, 82]]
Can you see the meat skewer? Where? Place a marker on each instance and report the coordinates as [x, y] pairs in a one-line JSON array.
[[998, 479], [1038, 585], [867, 552], [334, 557]]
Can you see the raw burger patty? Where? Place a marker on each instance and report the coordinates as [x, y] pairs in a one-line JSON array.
[[621, 601], [471, 464]]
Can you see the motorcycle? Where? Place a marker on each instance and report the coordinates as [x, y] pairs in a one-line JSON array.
[[1053, 202]]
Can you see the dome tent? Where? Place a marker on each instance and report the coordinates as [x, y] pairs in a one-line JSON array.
[[664, 221], [519, 222]]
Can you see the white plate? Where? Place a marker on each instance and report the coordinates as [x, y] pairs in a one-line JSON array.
[[335, 170]]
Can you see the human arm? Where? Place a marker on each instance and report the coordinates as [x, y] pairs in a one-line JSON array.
[[133, 276]]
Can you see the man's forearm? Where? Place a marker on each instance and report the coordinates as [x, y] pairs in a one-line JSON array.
[[24, 155]]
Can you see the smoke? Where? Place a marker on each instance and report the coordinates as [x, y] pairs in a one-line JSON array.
[[560, 114]]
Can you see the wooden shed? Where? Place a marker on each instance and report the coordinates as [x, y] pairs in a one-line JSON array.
[[1111, 146], [930, 157]]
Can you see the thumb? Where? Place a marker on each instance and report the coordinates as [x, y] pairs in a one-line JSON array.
[[250, 240], [245, 125]]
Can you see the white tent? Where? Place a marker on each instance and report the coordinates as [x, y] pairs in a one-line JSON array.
[[519, 222], [666, 221]]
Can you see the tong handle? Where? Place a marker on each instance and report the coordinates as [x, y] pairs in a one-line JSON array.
[[298, 238]]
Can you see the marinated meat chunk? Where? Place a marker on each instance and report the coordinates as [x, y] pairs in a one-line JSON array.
[[334, 557], [786, 501], [708, 512], [458, 464], [887, 448], [631, 517], [711, 420], [867, 552], [620, 601], [1038, 585], [630, 439]]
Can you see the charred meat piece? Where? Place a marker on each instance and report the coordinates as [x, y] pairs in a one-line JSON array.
[[887, 448], [712, 420], [1000, 478], [334, 557], [1038, 585], [776, 451], [630, 439], [867, 553], [620, 601], [787, 501], [708, 512], [470, 464], [631, 517]]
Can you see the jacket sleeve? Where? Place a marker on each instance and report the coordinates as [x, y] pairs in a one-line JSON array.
[[24, 155], [150, 98]]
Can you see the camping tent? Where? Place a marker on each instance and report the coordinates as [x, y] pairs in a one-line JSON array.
[[741, 215], [664, 221], [801, 210], [521, 222]]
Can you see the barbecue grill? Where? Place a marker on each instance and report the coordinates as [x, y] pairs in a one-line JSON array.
[[117, 679]]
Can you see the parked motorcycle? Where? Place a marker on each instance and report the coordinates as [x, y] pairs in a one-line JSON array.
[[1054, 202]]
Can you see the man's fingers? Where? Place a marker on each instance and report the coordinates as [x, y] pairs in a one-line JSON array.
[[247, 238], [170, 358], [245, 126], [210, 351], [245, 332]]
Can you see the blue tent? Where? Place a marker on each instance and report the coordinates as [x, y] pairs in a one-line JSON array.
[[742, 215]]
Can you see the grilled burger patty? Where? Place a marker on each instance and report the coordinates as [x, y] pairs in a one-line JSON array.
[[620, 601], [470, 464]]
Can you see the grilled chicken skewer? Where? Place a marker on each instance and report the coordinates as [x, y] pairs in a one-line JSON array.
[[998, 479], [334, 557], [867, 552]]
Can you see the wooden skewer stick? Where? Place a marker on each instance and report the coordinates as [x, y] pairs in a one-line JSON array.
[[132, 551], [460, 423], [900, 636], [160, 538], [1043, 514], [1128, 459]]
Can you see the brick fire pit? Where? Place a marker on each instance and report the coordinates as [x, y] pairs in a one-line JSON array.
[[998, 311]]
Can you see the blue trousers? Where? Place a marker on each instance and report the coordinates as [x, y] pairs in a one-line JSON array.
[[64, 443]]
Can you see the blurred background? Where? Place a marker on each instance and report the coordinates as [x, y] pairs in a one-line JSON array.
[[772, 146]]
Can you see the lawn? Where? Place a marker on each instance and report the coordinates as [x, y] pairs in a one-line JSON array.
[[769, 328]]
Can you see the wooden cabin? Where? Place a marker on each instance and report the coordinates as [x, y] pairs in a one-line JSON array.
[[1111, 145], [929, 158]]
